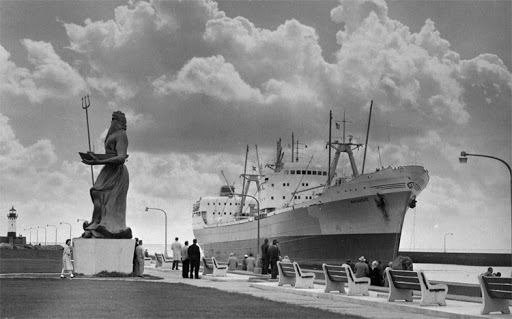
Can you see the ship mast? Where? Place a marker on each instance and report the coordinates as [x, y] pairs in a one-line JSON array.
[[243, 182], [367, 134], [293, 142], [329, 164]]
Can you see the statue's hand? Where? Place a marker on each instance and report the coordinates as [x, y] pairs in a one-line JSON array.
[[94, 160], [87, 162]]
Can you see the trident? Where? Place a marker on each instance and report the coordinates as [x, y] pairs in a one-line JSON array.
[[86, 102]]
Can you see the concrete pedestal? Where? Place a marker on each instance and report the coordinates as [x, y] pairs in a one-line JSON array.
[[94, 255]]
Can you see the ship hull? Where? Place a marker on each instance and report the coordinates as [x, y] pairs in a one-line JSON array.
[[321, 232], [317, 249]]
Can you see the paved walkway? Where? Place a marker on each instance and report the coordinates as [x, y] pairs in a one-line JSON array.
[[373, 306]]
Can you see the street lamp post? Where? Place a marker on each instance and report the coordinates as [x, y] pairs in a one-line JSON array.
[[463, 159], [69, 229], [445, 240], [165, 214], [55, 232], [44, 234], [258, 204], [31, 234]]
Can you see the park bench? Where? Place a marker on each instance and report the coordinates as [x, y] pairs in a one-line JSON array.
[[496, 294], [208, 266], [219, 270], [337, 276], [303, 279], [161, 262], [147, 261], [286, 273], [403, 282]]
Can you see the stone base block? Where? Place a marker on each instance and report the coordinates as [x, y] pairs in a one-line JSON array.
[[94, 255]]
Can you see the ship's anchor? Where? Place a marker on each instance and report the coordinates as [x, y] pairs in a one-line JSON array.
[[381, 203]]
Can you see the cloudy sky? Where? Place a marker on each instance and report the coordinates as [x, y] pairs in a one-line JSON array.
[[200, 80]]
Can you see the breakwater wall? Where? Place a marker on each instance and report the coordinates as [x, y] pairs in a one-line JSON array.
[[30, 261], [467, 259]]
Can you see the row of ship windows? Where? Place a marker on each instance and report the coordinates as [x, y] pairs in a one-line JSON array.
[[288, 184], [304, 172], [271, 198]]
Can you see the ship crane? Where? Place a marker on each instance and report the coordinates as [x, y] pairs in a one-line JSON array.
[[345, 148]]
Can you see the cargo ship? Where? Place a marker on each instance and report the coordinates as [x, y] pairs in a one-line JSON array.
[[315, 215]]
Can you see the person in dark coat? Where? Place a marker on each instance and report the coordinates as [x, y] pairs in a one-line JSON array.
[[375, 275], [194, 255], [264, 257], [273, 256], [185, 261]]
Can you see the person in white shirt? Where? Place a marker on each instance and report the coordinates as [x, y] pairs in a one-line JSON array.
[[176, 253]]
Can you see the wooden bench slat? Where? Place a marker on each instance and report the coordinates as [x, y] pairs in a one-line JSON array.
[[404, 273], [338, 278], [498, 286], [413, 280], [495, 279], [287, 269], [500, 294], [407, 285]]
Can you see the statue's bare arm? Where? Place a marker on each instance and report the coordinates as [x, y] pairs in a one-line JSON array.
[[121, 150]]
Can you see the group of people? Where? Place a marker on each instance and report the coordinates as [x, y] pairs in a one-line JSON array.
[[375, 271], [490, 272], [248, 263], [270, 255], [190, 257]]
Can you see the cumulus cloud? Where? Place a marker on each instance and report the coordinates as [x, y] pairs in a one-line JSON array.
[[51, 77], [211, 76], [352, 12], [142, 39]]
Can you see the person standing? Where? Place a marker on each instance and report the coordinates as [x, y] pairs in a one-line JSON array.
[[244, 263], [232, 262], [66, 260], [135, 265], [194, 254], [176, 253], [264, 257], [251, 262], [375, 275], [362, 269], [273, 256], [139, 251], [185, 261]]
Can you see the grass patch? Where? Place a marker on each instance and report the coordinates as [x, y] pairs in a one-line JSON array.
[[105, 273], [55, 298]]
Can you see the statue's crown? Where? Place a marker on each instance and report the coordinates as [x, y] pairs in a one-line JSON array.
[[120, 117]]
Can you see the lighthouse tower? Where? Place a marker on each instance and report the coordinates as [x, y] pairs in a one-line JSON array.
[[11, 229]]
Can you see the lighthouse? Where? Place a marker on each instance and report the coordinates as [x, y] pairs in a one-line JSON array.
[[11, 229]]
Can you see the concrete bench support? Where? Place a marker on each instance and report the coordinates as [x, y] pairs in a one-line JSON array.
[[403, 282], [219, 270], [303, 279], [286, 274], [496, 294]]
